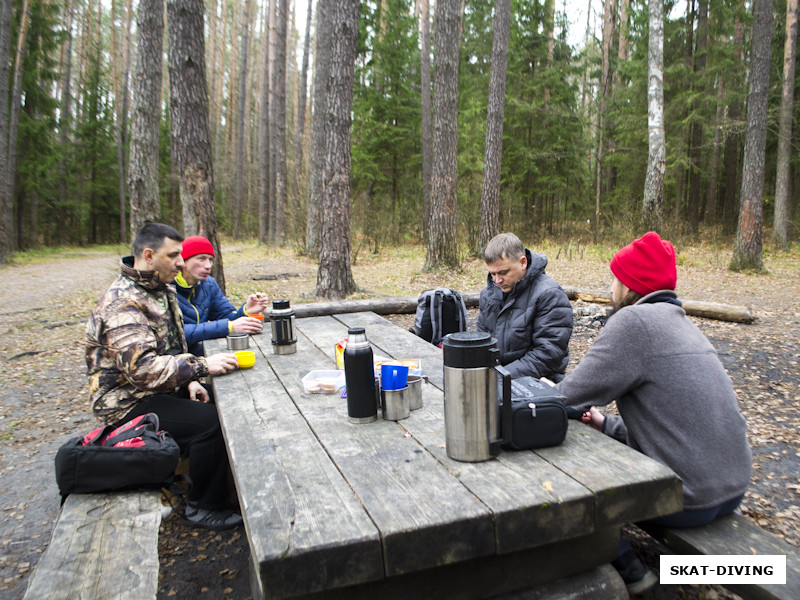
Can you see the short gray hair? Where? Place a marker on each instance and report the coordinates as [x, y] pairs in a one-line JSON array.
[[503, 245]]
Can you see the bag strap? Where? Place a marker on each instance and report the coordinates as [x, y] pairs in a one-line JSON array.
[[462, 310], [437, 313]]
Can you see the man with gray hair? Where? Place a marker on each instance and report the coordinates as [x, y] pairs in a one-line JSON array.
[[526, 311]]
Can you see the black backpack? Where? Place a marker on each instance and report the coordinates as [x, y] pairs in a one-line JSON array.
[[439, 312], [135, 455]]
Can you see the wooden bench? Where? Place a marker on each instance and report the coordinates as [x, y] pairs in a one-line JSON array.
[[734, 534], [104, 546]]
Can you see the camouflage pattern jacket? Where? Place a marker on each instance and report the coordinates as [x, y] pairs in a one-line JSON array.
[[135, 345]]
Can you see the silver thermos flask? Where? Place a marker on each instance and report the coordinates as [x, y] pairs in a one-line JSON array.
[[282, 318], [359, 376], [473, 431]]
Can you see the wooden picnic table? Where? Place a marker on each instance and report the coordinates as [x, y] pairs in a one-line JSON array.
[[340, 510]]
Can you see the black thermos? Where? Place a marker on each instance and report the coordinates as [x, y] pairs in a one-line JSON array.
[[359, 376]]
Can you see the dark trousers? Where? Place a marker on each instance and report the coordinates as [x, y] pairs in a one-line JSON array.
[[683, 519], [195, 427]]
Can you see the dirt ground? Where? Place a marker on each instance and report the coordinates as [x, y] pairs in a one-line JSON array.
[[43, 399]]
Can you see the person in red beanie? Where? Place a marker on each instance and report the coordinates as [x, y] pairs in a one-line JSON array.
[[676, 403], [207, 313]]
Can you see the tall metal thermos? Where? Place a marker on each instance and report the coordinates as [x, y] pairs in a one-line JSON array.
[[359, 376], [471, 369], [282, 318]]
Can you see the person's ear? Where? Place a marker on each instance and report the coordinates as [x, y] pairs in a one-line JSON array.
[[147, 255], [523, 260]]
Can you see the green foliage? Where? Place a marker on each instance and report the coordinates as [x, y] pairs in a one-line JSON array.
[[386, 156]]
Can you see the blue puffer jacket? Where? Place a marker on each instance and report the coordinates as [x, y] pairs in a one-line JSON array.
[[206, 311], [532, 324]]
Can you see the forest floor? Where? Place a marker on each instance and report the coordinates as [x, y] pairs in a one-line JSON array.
[[44, 303]]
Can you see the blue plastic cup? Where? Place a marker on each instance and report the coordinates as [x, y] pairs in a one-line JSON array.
[[393, 377]]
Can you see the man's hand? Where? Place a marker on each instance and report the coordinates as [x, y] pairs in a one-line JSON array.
[[219, 364], [256, 303], [197, 392], [594, 418], [246, 325]]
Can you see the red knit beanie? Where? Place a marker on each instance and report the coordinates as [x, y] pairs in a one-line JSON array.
[[194, 245], [646, 264]]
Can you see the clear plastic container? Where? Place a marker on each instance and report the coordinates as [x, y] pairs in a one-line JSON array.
[[323, 382]]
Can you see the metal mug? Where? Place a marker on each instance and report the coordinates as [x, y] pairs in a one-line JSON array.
[[395, 404], [238, 341], [415, 384]]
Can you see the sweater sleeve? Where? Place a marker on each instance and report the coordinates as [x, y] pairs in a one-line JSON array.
[[614, 365]]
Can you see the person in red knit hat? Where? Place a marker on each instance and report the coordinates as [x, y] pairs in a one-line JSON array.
[[207, 313], [676, 403]]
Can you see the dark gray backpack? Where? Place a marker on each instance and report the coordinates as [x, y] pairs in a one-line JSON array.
[[439, 312]]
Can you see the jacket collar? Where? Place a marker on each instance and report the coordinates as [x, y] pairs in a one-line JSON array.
[[180, 281], [669, 296], [149, 280]]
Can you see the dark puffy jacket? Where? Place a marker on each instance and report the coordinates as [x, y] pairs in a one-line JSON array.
[[206, 311], [532, 324]]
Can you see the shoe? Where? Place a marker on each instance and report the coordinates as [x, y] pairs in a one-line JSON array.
[[637, 577], [211, 519]]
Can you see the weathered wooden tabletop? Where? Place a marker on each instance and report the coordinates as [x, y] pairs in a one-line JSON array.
[[337, 509]]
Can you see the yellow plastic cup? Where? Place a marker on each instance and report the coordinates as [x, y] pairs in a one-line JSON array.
[[245, 358]]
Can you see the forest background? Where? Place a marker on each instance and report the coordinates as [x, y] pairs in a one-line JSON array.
[[576, 135]]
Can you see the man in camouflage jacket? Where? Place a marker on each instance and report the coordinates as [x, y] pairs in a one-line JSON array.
[[137, 362]]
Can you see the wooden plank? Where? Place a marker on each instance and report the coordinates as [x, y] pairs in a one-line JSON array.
[[426, 518], [532, 501], [103, 546], [299, 512], [492, 576], [628, 485], [735, 534]]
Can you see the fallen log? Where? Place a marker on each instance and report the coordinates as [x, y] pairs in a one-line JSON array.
[[695, 308], [396, 305]]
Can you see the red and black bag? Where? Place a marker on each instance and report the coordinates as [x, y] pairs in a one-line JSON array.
[[135, 455]]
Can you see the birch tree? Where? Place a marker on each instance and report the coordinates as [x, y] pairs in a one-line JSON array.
[[656, 162]]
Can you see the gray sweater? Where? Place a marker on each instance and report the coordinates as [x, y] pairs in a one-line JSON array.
[[676, 402]]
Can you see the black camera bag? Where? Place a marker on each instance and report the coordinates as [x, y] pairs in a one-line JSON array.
[[538, 415]]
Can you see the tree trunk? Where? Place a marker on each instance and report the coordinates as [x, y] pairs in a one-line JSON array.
[[652, 211], [747, 250], [239, 196], [65, 114], [442, 239], [696, 143], [318, 131], [783, 215], [191, 142], [13, 127], [6, 226], [490, 196], [334, 277], [264, 131], [425, 108], [733, 143], [712, 207], [603, 95], [278, 121], [299, 138], [119, 81], [146, 115]]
